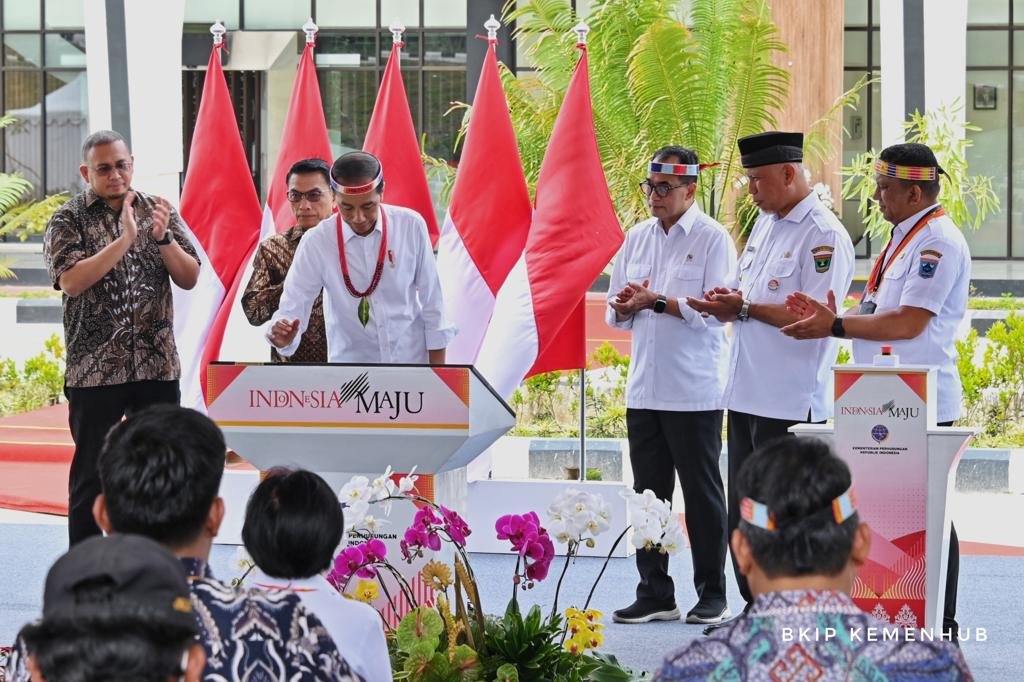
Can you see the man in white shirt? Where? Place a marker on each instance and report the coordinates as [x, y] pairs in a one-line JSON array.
[[674, 390], [796, 244], [915, 298], [382, 297]]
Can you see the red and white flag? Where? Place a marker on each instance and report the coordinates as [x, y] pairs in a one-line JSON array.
[[304, 137], [220, 206], [488, 219], [574, 234], [391, 137]]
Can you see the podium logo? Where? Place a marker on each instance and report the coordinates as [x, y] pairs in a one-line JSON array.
[[889, 409], [879, 433]]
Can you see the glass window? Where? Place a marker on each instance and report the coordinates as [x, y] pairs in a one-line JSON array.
[[21, 14], [441, 89], [988, 12], [1017, 168], [348, 14], [987, 48], [65, 14], [855, 12], [1018, 48], [583, 8], [334, 49], [23, 141], [444, 13], [348, 98], [410, 51], [411, 79], [67, 124], [876, 48], [208, 11], [405, 12], [876, 113], [444, 49], [65, 49], [22, 50], [988, 155], [855, 141], [855, 48], [1018, 11], [274, 14]]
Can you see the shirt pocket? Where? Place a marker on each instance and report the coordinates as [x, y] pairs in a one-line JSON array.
[[891, 288], [743, 267], [780, 276], [686, 280], [638, 272]]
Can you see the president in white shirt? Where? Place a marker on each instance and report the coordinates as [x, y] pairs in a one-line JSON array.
[[382, 297], [674, 388]]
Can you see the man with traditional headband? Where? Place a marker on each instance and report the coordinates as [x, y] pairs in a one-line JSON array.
[[674, 389], [796, 244], [916, 294], [382, 297], [800, 543]]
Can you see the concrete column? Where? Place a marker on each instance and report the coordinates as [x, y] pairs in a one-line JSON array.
[[924, 59], [134, 69]]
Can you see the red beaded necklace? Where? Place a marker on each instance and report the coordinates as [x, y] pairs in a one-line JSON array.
[[364, 305]]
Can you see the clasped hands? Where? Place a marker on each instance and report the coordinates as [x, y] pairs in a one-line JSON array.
[[632, 298], [814, 318]]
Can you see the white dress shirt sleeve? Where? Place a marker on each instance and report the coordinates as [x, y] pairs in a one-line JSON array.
[[839, 274], [616, 284], [931, 292], [438, 330], [302, 285], [720, 267]]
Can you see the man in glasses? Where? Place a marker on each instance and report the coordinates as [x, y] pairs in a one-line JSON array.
[[311, 201], [114, 252], [674, 388], [796, 244]]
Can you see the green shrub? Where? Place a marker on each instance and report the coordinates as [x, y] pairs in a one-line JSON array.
[[40, 381]]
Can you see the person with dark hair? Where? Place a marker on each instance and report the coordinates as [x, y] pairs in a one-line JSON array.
[[375, 265], [674, 388], [114, 251], [293, 527], [311, 201], [796, 244], [915, 298], [800, 542], [160, 472], [114, 609]]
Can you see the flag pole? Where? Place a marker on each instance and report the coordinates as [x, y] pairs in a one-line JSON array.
[[218, 31], [581, 30], [310, 29]]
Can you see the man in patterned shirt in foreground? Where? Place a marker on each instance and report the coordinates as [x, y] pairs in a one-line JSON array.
[[799, 543], [161, 471], [114, 252], [311, 201]]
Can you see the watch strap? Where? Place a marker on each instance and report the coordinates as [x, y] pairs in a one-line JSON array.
[[168, 238]]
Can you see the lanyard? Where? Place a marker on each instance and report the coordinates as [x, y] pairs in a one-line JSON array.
[[375, 280], [878, 271]]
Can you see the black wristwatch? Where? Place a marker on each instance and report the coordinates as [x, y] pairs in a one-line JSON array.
[[837, 328], [659, 304], [168, 237]]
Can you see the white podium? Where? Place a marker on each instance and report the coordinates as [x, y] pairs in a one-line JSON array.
[[902, 466]]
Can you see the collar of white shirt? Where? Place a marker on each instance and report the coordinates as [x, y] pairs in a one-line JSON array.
[[800, 211], [348, 233], [907, 224], [686, 221]]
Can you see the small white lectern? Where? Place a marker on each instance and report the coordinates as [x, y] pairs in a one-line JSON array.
[[901, 463]]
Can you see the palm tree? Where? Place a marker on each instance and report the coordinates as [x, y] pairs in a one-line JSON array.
[[655, 78]]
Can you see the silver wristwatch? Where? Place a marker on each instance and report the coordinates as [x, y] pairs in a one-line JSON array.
[[744, 314]]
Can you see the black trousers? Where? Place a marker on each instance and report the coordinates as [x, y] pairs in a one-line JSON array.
[[747, 432], [663, 444], [91, 413]]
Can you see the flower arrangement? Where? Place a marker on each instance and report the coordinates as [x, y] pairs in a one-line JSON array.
[[450, 637]]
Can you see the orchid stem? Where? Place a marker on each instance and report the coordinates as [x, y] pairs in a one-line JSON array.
[[565, 567], [604, 566]]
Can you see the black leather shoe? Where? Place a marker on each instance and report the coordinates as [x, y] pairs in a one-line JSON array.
[[646, 611], [708, 614], [711, 628]]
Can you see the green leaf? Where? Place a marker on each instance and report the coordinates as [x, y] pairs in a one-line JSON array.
[[419, 626], [507, 672], [364, 311]]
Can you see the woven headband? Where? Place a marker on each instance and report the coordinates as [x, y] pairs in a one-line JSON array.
[[758, 514], [358, 189], [678, 168], [893, 170]]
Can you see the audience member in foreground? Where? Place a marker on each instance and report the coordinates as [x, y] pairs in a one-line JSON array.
[[160, 471], [799, 543], [293, 526], [115, 608]]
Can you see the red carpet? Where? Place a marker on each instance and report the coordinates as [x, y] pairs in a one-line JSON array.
[[35, 456]]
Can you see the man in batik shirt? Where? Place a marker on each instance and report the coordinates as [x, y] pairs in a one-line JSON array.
[[311, 201], [799, 543]]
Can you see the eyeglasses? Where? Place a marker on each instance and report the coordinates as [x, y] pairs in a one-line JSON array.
[[312, 196], [661, 189], [122, 167]]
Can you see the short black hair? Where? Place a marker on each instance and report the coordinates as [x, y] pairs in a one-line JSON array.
[[293, 524], [677, 154], [797, 478], [99, 138], [353, 167], [160, 471], [915, 154], [123, 644], [310, 166]]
